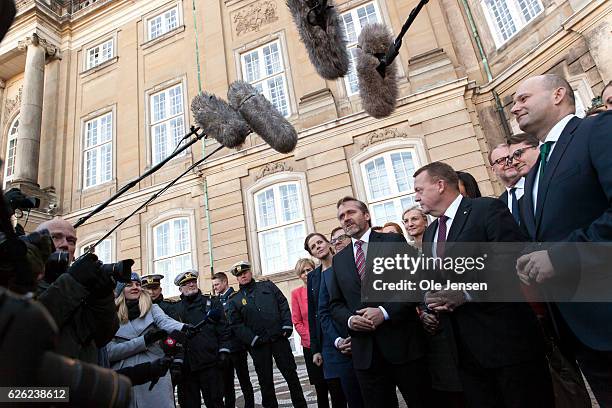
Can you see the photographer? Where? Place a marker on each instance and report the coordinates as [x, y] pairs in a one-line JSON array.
[[81, 300]]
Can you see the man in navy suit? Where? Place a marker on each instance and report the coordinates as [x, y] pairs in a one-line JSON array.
[[568, 196], [386, 338], [500, 351]]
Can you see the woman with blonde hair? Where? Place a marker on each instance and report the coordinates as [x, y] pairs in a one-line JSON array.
[[143, 325]]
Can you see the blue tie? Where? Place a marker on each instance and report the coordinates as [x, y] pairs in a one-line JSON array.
[[516, 212]]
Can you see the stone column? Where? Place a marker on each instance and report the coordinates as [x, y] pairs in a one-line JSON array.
[[30, 115]]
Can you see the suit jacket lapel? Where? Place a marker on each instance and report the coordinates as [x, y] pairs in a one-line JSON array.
[[348, 259], [462, 214], [527, 212], [428, 238], [551, 166]]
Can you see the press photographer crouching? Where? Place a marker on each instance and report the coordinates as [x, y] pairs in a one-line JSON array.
[[28, 333], [79, 297]]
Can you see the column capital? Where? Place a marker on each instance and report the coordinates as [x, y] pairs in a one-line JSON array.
[[36, 41], [2, 84]]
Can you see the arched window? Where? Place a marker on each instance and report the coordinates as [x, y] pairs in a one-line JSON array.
[[172, 251], [280, 224], [388, 183], [11, 150]]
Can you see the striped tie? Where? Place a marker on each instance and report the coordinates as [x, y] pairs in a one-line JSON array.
[[360, 259]]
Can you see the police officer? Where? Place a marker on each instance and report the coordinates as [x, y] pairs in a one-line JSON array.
[[238, 356], [153, 284], [259, 316], [206, 349]]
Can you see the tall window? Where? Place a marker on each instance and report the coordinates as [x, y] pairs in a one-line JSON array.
[[265, 70], [98, 150], [100, 53], [389, 185], [171, 251], [507, 17], [167, 121], [163, 23], [353, 22], [281, 227], [103, 250], [11, 151]]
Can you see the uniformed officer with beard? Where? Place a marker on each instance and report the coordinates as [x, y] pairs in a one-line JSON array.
[[259, 316], [206, 349]]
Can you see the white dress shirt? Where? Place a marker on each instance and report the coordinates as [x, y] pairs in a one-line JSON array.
[[520, 190], [552, 136], [450, 212]]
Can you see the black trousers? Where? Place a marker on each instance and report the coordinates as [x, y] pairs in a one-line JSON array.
[[525, 385], [597, 368], [262, 358], [237, 362], [378, 383], [206, 382]]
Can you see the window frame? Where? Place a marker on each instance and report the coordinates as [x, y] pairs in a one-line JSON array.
[[518, 19], [84, 149], [353, 45], [149, 95], [164, 29], [93, 239], [249, 196], [285, 73], [419, 157], [13, 124], [101, 61]]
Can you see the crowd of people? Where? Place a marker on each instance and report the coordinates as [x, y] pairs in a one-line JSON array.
[[447, 350]]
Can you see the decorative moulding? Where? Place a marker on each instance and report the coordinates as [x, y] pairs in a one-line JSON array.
[[272, 168], [381, 135], [251, 18]]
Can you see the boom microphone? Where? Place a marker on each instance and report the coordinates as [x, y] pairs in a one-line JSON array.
[[7, 15], [319, 27], [262, 117], [219, 120], [378, 90]]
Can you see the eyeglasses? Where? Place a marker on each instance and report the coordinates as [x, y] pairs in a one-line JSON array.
[[518, 153], [339, 239], [501, 161]]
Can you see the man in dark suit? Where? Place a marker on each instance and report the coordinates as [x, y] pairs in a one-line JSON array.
[[500, 352], [386, 338], [567, 200], [499, 159]]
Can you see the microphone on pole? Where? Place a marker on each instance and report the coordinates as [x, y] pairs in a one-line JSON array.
[[378, 91], [320, 30], [262, 116], [376, 71], [219, 120]]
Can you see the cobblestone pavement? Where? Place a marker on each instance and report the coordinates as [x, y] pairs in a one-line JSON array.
[[282, 391]]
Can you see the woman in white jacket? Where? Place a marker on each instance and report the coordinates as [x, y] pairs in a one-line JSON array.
[[137, 341]]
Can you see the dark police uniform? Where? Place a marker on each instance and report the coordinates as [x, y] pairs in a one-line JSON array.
[[259, 316], [238, 362], [204, 351]]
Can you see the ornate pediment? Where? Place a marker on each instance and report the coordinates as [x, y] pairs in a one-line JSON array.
[[272, 168], [382, 135], [13, 104], [253, 17]]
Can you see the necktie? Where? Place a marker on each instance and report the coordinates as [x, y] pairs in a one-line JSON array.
[[516, 212], [441, 243], [544, 152], [360, 259]]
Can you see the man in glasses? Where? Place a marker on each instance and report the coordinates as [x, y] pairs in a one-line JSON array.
[[509, 176], [339, 239], [523, 152]]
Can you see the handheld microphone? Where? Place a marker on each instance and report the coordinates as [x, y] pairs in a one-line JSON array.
[[219, 120], [262, 117], [378, 91], [320, 30]]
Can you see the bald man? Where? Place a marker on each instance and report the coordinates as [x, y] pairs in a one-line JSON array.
[[568, 196], [81, 300]]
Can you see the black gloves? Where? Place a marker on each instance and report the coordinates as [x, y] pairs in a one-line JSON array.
[[189, 330], [159, 368], [87, 270], [154, 335], [258, 342], [223, 359], [287, 333]]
